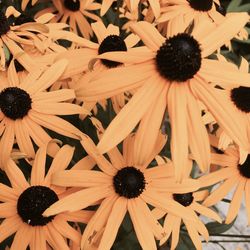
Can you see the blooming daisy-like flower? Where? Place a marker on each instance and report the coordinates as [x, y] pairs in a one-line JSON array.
[[232, 174], [23, 203], [172, 72], [12, 36], [183, 12], [75, 13], [191, 201], [26, 107], [122, 185], [109, 39]]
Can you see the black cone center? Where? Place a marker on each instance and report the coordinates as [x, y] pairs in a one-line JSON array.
[[33, 202], [72, 5], [109, 44], [179, 58], [201, 5], [241, 98], [129, 182], [4, 24], [184, 199], [245, 168], [15, 103]]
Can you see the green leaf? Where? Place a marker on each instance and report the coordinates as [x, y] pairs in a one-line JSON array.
[[217, 228], [233, 5]]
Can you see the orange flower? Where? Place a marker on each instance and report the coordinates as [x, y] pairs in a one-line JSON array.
[[22, 206], [173, 73], [26, 107], [231, 174], [191, 201], [74, 12], [182, 13], [109, 39], [122, 185]]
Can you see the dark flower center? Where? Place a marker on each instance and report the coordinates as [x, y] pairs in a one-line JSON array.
[[109, 44], [201, 5], [129, 182], [220, 9], [73, 5], [4, 24], [33, 202], [23, 19], [184, 199], [241, 98], [179, 58], [244, 168], [15, 103]]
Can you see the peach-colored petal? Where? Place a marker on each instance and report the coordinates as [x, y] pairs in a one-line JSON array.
[[80, 178], [97, 222], [114, 221], [161, 171], [79, 200], [82, 216], [232, 25], [205, 211], [171, 186], [60, 162], [54, 96], [101, 161], [247, 200], [9, 226], [128, 150], [130, 115], [21, 242], [217, 176], [177, 107], [155, 199], [38, 167], [59, 108], [200, 195], [85, 163], [221, 192], [157, 229], [16, 177], [217, 71], [55, 123], [6, 143], [224, 160], [117, 80], [194, 235], [148, 34], [7, 194], [236, 201], [12, 75], [142, 229], [175, 232], [66, 230], [48, 77], [105, 6], [7, 209], [197, 134], [148, 130], [23, 138], [38, 239], [54, 237]]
